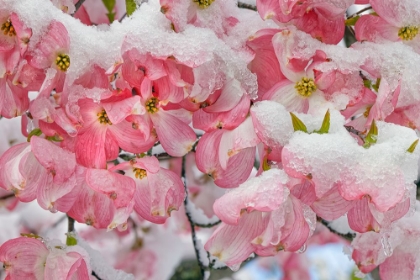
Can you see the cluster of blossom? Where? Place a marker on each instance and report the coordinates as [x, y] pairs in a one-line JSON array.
[[218, 89]]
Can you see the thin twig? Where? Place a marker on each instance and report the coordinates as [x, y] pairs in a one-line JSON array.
[[70, 227], [361, 11], [78, 5], [7, 196], [207, 225], [96, 275], [203, 268], [247, 6]]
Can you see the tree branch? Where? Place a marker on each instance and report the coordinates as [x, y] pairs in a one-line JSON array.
[[203, 268], [247, 6], [347, 236], [78, 5]]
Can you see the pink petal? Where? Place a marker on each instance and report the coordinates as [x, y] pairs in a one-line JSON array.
[[264, 193], [360, 217], [118, 111], [130, 139], [232, 244], [24, 258], [332, 205], [90, 147], [374, 28], [232, 93], [175, 136], [118, 187]]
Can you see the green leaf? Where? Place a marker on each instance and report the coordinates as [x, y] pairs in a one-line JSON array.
[[325, 127], [111, 17], [130, 6], [109, 5], [367, 83], [413, 146], [377, 84], [35, 132], [372, 135], [54, 138], [298, 125], [352, 21], [71, 240]]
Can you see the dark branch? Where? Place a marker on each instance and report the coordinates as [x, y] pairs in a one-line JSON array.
[[247, 6], [95, 275], [203, 268], [207, 225], [7, 196], [78, 5], [70, 227], [347, 236], [361, 11]]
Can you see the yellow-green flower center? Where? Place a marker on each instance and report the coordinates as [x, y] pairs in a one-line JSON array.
[[203, 3], [63, 62], [408, 32], [103, 118], [8, 28], [139, 173], [305, 87], [151, 105]]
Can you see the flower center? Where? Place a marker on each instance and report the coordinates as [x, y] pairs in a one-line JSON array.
[[203, 3], [103, 118], [63, 62], [8, 29], [305, 87], [408, 32], [151, 105], [367, 111], [139, 173]]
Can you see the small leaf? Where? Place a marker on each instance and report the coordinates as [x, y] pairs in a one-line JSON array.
[[377, 84], [55, 138], [111, 17], [35, 132], [413, 146], [367, 83], [109, 5], [298, 125], [372, 135], [71, 241], [130, 6], [325, 127], [265, 165], [352, 21]]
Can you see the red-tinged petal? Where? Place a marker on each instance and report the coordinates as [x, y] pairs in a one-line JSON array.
[[23, 33], [14, 100], [207, 158], [265, 64], [238, 169], [304, 191], [286, 94], [374, 28], [233, 141], [175, 136], [398, 211], [328, 31], [42, 109], [394, 15], [90, 147], [230, 96], [24, 258], [92, 208], [360, 217], [166, 192], [227, 120], [143, 202], [332, 205], [118, 187], [400, 265], [167, 91], [268, 8], [296, 230], [62, 265], [120, 217], [118, 111], [130, 139], [151, 164], [59, 162], [264, 193], [232, 244]]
